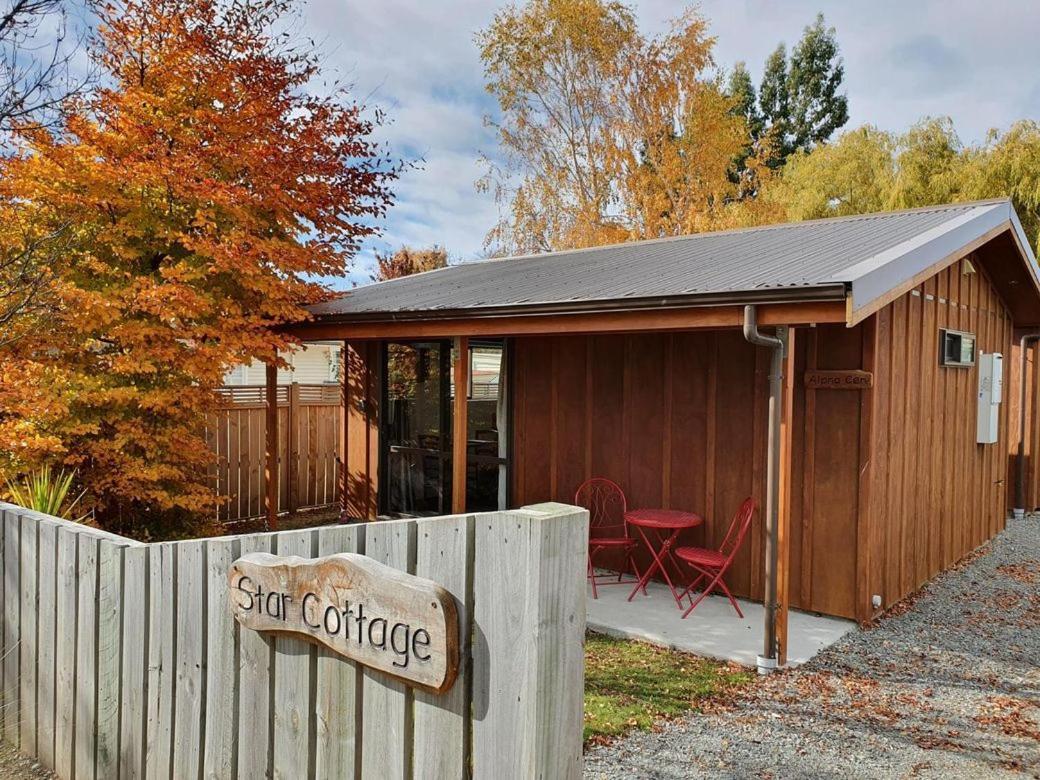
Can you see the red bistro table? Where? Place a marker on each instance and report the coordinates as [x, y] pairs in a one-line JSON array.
[[659, 522]]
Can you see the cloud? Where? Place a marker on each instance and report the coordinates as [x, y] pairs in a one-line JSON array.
[[417, 61], [925, 63]]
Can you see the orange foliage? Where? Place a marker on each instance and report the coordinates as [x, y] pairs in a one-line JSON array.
[[407, 261], [610, 134], [200, 192]]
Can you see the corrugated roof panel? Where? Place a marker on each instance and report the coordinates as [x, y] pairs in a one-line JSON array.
[[794, 255]]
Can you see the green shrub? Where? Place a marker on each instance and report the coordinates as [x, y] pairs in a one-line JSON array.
[[45, 491]]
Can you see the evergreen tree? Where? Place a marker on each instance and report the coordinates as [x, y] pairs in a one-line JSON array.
[[799, 98], [817, 109], [774, 101], [741, 90]]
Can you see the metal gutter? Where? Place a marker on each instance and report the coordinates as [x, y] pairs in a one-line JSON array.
[[767, 662], [815, 294]]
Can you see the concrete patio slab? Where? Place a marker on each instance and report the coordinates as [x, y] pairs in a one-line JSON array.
[[712, 630]]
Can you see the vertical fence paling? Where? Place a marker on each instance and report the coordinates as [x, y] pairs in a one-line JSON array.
[[338, 684], [309, 417], [122, 660]]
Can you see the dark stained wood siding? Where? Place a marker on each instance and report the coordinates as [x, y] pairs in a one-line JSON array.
[[825, 467], [361, 404], [1012, 367], [887, 485], [679, 420], [936, 494]]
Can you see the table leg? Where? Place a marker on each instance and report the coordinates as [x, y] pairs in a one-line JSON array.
[[659, 559], [649, 569], [666, 552]]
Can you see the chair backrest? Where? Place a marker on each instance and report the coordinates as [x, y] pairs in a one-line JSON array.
[[606, 503], [738, 529]]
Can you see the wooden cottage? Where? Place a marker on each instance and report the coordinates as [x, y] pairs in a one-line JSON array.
[[631, 362]]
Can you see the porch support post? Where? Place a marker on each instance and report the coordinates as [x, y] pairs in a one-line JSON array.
[[341, 434], [459, 429], [271, 447], [783, 530], [1024, 344]]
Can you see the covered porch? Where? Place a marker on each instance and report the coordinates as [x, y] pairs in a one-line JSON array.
[[713, 630], [674, 406]]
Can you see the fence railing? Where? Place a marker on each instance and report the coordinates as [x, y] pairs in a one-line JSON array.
[[122, 659], [309, 434]]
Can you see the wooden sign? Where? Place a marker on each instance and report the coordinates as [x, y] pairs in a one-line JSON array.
[[395, 622], [839, 380]]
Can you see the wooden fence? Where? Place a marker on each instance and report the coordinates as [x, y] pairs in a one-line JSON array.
[[122, 659], [309, 442]]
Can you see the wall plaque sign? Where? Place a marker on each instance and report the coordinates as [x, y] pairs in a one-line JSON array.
[[839, 380], [386, 619]]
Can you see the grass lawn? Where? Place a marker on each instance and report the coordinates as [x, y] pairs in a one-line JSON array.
[[632, 684]]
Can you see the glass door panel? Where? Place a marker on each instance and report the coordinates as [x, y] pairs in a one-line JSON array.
[[416, 429], [487, 425]]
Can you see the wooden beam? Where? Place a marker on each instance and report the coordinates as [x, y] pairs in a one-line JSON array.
[[293, 461], [271, 447], [459, 428], [590, 322], [341, 433], [374, 394], [783, 566], [868, 445]]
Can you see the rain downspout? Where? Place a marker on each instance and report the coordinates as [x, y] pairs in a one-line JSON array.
[[1020, 460], [778, 343]]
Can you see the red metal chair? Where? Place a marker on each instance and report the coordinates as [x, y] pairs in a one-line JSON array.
[[608, 530], [712, 564]]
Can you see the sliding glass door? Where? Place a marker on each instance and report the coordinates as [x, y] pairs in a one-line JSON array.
[[416, 428]]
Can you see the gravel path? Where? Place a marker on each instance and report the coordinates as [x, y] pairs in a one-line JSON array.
[[945, 687]]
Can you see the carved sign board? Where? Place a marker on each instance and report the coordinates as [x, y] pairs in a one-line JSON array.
[[839, 380], [395, 622]]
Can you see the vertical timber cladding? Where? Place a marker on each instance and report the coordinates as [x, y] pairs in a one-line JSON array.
[[936, 494], [827, 441], [677, 419], [361, 417]]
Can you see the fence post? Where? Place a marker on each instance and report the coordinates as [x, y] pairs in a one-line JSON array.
[[271, 446], [294, 447], [528, 642]]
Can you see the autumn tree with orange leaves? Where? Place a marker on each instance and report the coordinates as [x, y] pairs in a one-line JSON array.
[[610, 134], [407, 261], [199, 192]]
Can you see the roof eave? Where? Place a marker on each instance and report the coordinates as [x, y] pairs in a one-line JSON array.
[[786, 295], [878, 280]]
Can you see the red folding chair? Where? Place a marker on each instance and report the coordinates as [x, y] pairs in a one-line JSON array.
[[608, 530], [712, 564]]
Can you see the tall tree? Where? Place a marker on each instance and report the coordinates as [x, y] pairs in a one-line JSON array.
[[407, 261], [609, 135], [741, 90], [868, 170], [35, 81], [800, 97], [204, 188]]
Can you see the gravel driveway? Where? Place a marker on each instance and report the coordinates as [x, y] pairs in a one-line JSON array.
[[947, 686]]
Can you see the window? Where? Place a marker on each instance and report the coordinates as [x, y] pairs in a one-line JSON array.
[[956, 348]]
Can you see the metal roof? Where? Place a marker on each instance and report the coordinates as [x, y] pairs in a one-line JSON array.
[[860, 257]]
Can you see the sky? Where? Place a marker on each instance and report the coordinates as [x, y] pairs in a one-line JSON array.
[[416, 60]]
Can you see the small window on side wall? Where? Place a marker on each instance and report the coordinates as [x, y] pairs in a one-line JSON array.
[[956, 348]]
